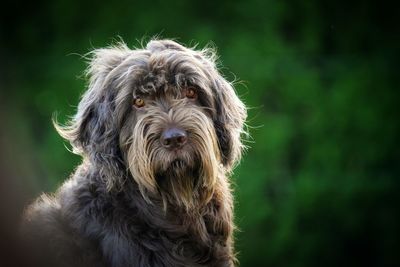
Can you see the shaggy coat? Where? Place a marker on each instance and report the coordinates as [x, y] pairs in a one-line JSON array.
[[132, 202]]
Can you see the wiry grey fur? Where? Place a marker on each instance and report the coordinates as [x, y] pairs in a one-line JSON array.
[[131, 202]]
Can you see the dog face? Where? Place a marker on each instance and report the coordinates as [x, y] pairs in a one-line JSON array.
[[165, 114]]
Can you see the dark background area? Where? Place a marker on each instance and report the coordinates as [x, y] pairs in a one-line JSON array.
[[319, 184]]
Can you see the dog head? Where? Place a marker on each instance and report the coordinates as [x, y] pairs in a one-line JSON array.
[[165, 114]]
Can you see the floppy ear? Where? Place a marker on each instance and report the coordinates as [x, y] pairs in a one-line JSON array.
[[228, 120], [93, 132]]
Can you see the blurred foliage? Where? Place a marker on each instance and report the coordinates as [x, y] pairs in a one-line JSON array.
[[319, 184]]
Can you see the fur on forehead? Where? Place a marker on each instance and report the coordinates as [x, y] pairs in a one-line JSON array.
[[162, 65]]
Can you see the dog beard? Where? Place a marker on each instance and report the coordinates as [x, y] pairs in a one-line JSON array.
[[184, 178], [179, 183]]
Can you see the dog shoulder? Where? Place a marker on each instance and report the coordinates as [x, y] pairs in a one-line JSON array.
[[42, 215], [49, 240], [40, 222]]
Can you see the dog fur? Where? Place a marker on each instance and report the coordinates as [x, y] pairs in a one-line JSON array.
[[132, 202]]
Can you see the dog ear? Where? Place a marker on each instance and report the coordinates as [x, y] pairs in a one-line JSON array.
[[93, 132], [229, 121]]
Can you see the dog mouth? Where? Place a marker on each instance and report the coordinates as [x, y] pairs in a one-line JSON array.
[[178, 159], [178, 163], [178, 168]]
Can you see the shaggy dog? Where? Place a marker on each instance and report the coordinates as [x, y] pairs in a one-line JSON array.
[[159, 130]]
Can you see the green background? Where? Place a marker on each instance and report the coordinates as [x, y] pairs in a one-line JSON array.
[[319, 184]]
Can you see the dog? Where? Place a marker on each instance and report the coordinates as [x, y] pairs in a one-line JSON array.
[[159, 130]]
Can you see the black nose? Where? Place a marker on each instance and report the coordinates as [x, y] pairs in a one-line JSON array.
[[173, 138]]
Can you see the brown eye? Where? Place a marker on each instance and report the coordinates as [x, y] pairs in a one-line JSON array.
[[191, 92], [139, 102]]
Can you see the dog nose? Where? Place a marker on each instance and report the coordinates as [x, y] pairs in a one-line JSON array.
[[173, 138]]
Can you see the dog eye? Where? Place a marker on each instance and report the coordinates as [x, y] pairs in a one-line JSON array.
[[139, 102], [191, 92]]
